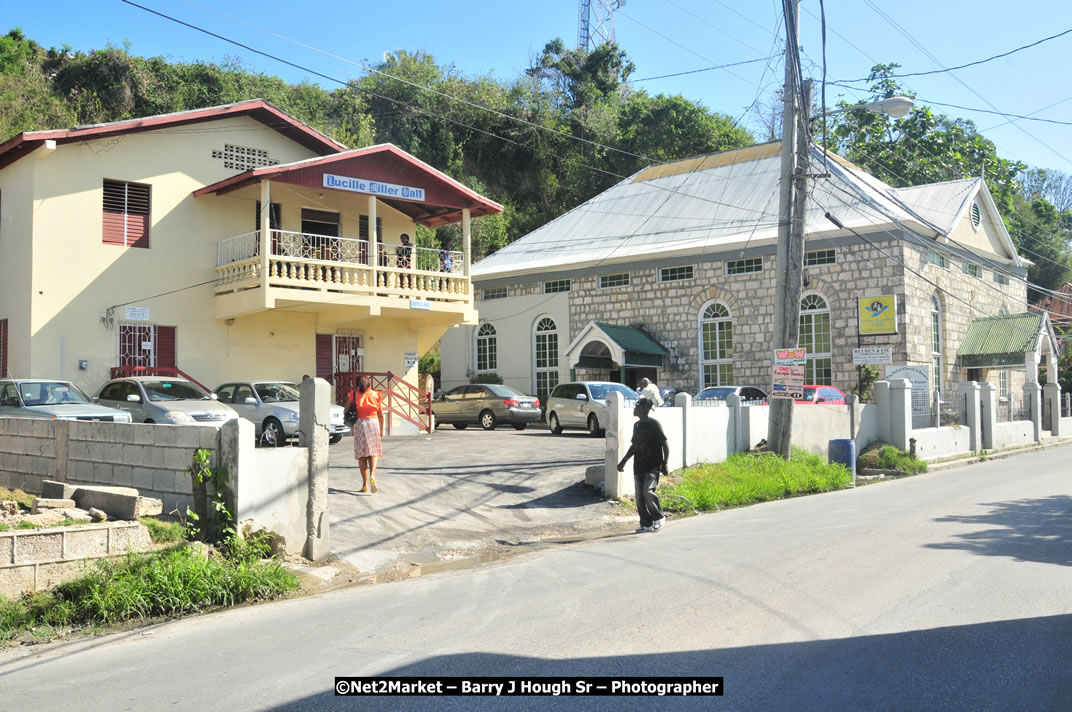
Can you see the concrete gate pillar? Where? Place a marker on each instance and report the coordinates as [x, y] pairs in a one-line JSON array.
[[1033, 400], [987, 415], [1051, 393], [314, 418], [969, 390]]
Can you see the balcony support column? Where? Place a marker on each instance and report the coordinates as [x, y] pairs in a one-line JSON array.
[[266, 231], [373, 243], [467, 240]]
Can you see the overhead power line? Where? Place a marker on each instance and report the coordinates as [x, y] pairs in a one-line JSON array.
[[969, 64]]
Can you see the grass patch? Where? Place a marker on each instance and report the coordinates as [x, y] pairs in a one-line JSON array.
[[163, 532], [138, 587], [26, 525], [887, 457], [25, 500], [748, 478]]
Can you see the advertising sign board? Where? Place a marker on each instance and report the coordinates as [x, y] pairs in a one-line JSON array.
[[788, 377]]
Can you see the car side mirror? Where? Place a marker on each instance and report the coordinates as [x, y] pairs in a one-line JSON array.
[[582, 396], [133, 398], [250, 400]]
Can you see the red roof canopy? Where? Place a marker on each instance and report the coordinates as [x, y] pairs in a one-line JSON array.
[[444, 197], [25, 143]]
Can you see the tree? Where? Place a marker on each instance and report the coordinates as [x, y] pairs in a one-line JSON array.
[[922, 147]]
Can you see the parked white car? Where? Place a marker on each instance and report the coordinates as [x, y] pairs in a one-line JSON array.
[[58, 400], [272, 406], [582, 404], [167, 401]]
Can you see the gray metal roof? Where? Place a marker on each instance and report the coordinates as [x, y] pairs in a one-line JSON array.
[[713, 203]]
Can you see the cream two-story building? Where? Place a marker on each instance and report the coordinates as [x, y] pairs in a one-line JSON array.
[[147, 244]]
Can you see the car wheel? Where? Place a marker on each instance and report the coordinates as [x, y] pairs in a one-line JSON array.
[[488, 420], [520, 426], [273, 435], [553, 424], [460, 426], [335, 438], [593, 426]]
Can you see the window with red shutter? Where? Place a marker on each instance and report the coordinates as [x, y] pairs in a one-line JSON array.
[[325, 358], [165, 347], [3, 349], [126, 214]]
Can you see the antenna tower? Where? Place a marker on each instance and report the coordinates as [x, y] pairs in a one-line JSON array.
[[595, 22]]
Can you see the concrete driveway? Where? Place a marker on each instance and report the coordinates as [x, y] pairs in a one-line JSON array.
[[454, 494]]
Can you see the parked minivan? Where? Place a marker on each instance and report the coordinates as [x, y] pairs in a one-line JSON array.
[[582, 404]]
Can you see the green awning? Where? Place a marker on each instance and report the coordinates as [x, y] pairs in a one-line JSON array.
[[640, 349], [1000, 340]]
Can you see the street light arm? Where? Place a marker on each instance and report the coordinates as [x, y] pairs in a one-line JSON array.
[[894, 106]]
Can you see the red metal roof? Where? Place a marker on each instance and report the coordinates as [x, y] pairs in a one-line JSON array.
[[24, 143], [444, 197]]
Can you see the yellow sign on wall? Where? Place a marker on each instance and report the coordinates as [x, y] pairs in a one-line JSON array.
[[877, 315]]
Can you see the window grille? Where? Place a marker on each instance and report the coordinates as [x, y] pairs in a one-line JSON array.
[[613, 280], [817, 258], [674, 274], [555, 286]]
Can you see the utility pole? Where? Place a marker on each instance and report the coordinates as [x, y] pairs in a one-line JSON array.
[[796, 140]]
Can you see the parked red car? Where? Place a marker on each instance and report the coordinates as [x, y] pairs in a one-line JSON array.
[[827, 395]]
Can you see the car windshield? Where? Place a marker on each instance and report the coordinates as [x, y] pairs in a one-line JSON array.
[[50, 393], [277, 392], [717, 393], [600, 391], [173, 390], [505, 392]]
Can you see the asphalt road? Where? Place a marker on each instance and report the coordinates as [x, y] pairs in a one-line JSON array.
[[946, 591], [452, 493]]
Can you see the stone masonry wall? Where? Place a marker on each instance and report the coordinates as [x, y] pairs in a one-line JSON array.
[[670, 311], [151, 458], [968, 298]]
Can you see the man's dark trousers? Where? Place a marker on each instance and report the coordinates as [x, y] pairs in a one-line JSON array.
[[647, 503]]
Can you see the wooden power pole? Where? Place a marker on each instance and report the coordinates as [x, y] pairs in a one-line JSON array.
[[796, 140]]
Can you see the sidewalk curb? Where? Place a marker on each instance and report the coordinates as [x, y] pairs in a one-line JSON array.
[[998, 454]]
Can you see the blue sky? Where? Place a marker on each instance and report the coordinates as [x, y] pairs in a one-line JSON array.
[[660, 36]]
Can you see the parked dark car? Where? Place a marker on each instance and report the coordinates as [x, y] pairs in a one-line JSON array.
[[486, 405], [749, 394]]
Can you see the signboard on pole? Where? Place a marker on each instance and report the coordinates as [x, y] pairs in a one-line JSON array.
[[877, 315], [872, 354], [410, 359], [788, 380]]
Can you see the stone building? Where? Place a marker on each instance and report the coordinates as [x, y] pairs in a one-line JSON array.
[[684, 253]]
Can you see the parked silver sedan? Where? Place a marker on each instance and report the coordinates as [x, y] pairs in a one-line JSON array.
[[167, 401], [486, 405], [272, 406], [58, 400]]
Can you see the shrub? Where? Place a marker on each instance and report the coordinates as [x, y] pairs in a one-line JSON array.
[[487, 378], [887, 457]]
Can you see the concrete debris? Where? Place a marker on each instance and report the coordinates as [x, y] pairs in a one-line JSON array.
[[42, 503], [9, 507], [98, 515]]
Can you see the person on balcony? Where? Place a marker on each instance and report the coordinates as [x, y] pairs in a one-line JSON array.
[[404, 260], [404, 253], [368, 431]]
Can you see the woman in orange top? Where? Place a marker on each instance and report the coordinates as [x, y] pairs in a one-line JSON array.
[[368, 431]]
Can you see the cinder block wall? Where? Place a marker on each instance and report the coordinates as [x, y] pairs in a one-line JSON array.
[[151, 458]]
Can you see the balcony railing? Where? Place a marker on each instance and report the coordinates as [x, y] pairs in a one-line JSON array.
[[341, 264]]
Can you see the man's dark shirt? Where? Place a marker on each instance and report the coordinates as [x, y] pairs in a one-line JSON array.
[[648, 439]]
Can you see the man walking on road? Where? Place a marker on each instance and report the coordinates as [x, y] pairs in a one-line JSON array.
[[651, 451]]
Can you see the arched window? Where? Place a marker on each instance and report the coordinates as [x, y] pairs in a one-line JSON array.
[[486, 349], [937, 358], [545, 357], [815, 338], [716, 346]]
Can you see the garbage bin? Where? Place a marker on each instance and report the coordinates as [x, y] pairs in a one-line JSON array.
[[843, 452]]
